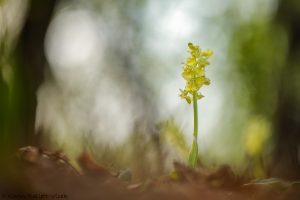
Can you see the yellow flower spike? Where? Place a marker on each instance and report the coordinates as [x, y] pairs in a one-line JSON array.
[[188, 99], [194, 50], [184, 95], [208, 53], [199, 96], [199, 82], [192, 61], [194, 74], [191, 46], [199, 72], [194, 69], [187, 75], [203, 62], [206, 81]]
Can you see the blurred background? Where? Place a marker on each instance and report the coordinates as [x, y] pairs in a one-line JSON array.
[[105, 75]]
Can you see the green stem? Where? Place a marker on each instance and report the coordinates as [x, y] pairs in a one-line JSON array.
[[193, 157], [195, 116]]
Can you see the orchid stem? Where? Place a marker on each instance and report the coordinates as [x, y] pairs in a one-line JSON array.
[[193, 157]]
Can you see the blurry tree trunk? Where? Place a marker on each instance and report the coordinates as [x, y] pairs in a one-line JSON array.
[[287, 121], [31, 65]]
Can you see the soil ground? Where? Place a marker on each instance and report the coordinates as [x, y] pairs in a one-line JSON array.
[[40, 174]]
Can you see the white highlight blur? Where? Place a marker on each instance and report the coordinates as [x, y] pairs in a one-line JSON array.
[[84, 98], [73, 40]]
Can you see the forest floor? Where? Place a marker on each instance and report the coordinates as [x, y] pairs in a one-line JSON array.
[[40, 174]]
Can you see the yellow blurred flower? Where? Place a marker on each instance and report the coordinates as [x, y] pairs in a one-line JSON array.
[[194, 72], [257, 134]]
